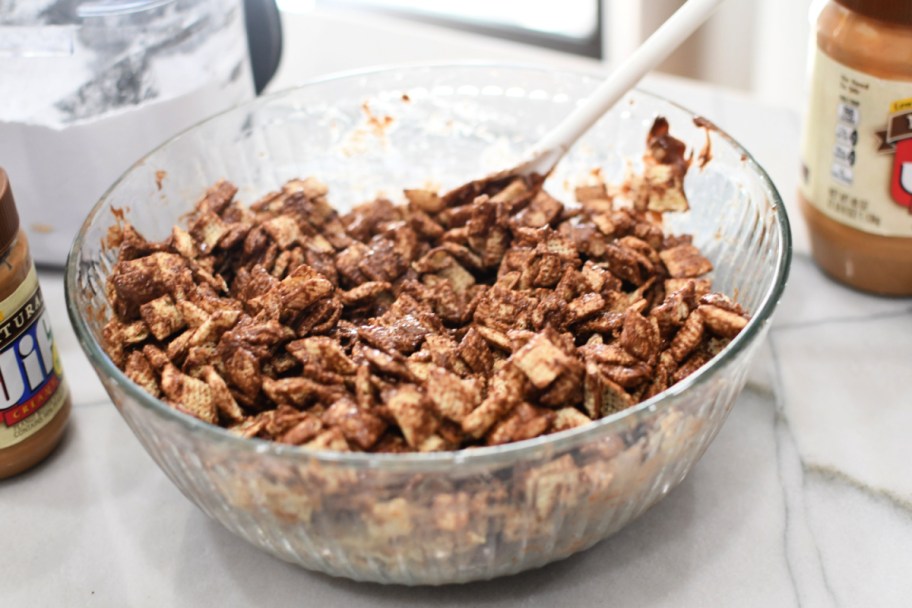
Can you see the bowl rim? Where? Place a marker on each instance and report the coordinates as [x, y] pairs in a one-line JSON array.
[[424, 461]]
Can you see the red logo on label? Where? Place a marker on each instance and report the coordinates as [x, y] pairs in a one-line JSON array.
[[898, 137], [901, 184], [22, 411]]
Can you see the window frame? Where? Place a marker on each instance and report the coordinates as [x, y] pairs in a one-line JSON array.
[[592, 46]]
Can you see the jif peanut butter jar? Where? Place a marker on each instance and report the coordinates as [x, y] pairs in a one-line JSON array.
[[856, 187], [34, 399]]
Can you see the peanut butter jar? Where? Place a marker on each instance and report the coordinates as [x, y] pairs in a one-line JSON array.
[[34, 399], [856, 186]]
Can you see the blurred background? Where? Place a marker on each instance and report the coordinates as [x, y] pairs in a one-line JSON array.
[[755, 46], [118, 77]]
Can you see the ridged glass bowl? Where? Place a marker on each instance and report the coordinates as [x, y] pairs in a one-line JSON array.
[[450, 516]]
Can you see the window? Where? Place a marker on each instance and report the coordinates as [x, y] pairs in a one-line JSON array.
[[569, 25]]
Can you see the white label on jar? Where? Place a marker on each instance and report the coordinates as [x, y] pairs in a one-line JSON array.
[[31, 381], [857, 149]]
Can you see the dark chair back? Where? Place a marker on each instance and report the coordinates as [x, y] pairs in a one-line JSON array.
[[264, 38]]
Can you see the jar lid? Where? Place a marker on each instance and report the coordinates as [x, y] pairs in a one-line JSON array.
[[9, 217], [891, 11]]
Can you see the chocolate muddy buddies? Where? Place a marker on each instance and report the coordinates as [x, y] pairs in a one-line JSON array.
[[490, 314]]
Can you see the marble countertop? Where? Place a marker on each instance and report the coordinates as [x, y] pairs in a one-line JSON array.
[[804, 498]]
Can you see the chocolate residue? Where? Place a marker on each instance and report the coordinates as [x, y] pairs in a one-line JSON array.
[[159, 178], [665, 164], [665, 149], [705, 154], [379, 124]]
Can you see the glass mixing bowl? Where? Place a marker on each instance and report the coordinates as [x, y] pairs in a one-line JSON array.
[[452, 516]]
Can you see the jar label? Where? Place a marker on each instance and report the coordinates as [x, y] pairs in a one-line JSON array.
[[857, 149], [31, 381]]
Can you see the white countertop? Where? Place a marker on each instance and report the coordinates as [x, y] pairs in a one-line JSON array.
[[804, 499]]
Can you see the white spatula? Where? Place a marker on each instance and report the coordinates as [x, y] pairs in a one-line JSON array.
[[545, 154]]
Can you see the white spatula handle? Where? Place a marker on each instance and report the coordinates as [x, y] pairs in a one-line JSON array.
[[549, 150]]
